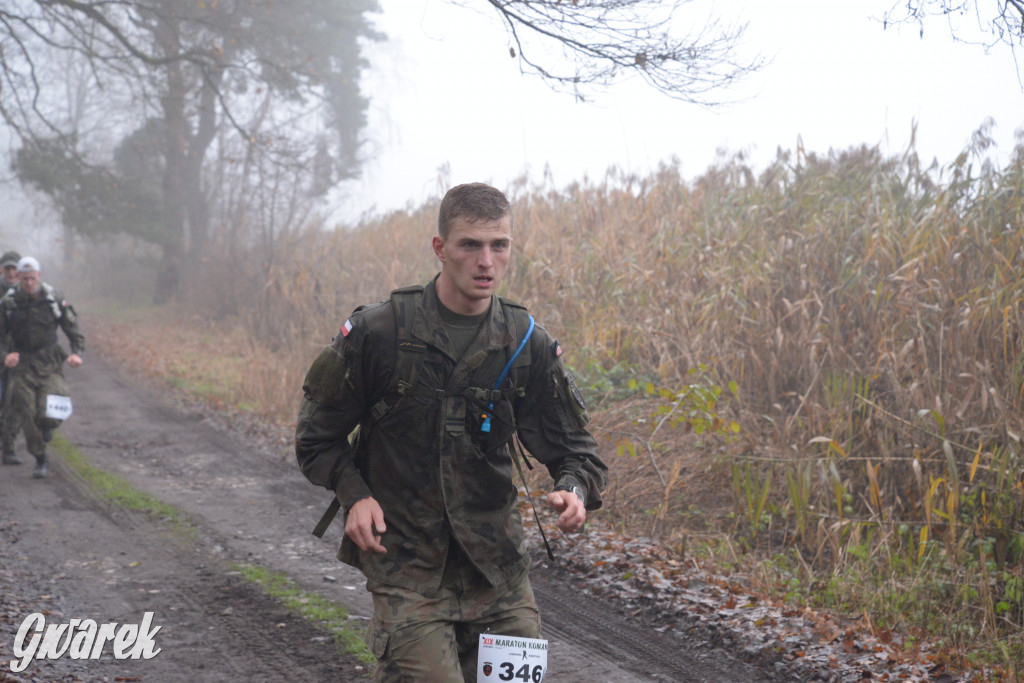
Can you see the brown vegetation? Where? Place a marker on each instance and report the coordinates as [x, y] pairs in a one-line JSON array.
[[866, 310]]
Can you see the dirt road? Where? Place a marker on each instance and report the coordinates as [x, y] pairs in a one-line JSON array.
[[69, 555]]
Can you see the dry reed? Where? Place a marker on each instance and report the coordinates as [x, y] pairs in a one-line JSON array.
[[868, 309]]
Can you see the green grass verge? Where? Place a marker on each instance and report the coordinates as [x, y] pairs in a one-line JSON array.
[[118, 491], [326, 614]]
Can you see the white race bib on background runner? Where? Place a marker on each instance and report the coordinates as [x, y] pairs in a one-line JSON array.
[[511, 658], [58, 407]]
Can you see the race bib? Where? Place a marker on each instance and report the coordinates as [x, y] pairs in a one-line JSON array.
[[511, 658], [58, 407]]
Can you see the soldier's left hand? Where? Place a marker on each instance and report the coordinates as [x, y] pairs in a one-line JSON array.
[[571, 513], [74, 360]]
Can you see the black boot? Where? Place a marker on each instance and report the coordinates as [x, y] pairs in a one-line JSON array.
[[42, 467], [10, 458], [47, 434]]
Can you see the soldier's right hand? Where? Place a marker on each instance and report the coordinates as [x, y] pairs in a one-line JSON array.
[[11, 359], [364, 524]]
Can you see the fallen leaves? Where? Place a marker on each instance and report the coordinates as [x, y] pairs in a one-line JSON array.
[[686, 598]]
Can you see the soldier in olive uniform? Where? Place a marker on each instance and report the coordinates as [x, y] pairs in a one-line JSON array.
[[29, 317], [9, 263], [427, 480]]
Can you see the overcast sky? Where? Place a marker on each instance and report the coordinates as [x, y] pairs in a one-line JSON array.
[[445, 93]]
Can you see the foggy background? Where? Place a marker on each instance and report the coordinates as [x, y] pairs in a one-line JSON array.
[[447, 104], [446, 93]]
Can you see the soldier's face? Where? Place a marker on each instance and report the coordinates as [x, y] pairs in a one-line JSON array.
[[473, 262], [30, 281], [11, 274]]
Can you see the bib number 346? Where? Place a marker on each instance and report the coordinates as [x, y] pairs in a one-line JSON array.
[[511, 659]]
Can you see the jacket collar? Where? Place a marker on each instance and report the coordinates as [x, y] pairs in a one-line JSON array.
[[44, 293], [494, 333]]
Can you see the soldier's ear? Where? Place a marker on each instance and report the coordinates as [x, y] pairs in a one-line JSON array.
[[438, 244]]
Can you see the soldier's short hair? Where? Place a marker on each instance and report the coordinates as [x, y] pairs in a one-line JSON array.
[[472, 202]]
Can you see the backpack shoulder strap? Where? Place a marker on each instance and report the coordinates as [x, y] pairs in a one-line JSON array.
[[403, 303], [408, 350], [521, 324], [53, 298], [518, 320]]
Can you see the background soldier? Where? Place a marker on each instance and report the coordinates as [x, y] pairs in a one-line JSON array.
[[431, 517], [9, 262], [29, 317], [10, 280]]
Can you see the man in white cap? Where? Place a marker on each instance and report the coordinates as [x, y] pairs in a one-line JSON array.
[[29, 317]]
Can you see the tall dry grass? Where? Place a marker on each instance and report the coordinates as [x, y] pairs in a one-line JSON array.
[[868, 308]]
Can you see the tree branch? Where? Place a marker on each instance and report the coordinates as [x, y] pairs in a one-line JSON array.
[[606, 40], [90, 11]]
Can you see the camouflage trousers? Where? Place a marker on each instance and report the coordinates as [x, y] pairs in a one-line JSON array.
[[4, 378], [24, 406], [416, 638]]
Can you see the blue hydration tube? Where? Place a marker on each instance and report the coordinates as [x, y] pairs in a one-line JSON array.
[[486, 425]]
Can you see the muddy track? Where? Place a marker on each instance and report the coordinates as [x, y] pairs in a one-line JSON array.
[[82, 558], [596, 629], [69, 555]]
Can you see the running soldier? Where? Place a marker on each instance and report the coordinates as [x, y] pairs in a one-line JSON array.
[[438, 379], [29, 317]]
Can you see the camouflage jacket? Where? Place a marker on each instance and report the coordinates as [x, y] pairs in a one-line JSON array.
[[28, 323], [435, 473]]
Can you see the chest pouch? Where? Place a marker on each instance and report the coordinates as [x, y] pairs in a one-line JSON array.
[[497, 406]]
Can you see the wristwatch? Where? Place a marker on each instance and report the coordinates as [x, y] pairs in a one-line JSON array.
[[575, 489]]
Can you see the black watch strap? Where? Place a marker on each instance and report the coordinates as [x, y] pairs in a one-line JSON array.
[[575, 489]]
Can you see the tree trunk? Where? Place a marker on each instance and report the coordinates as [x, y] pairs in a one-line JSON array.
[[176, 135], [198, 203], [168, 275]]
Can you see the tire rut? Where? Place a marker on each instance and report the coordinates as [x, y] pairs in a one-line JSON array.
[[633, 646]]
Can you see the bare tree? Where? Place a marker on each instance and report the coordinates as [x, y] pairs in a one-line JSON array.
[[195, 66], [580, 45], [274, 86], [984, 22]]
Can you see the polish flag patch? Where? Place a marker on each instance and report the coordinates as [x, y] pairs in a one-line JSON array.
[[556, 349], [346, 328]]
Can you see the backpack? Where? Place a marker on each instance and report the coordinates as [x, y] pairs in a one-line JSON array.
[[410, 353]]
